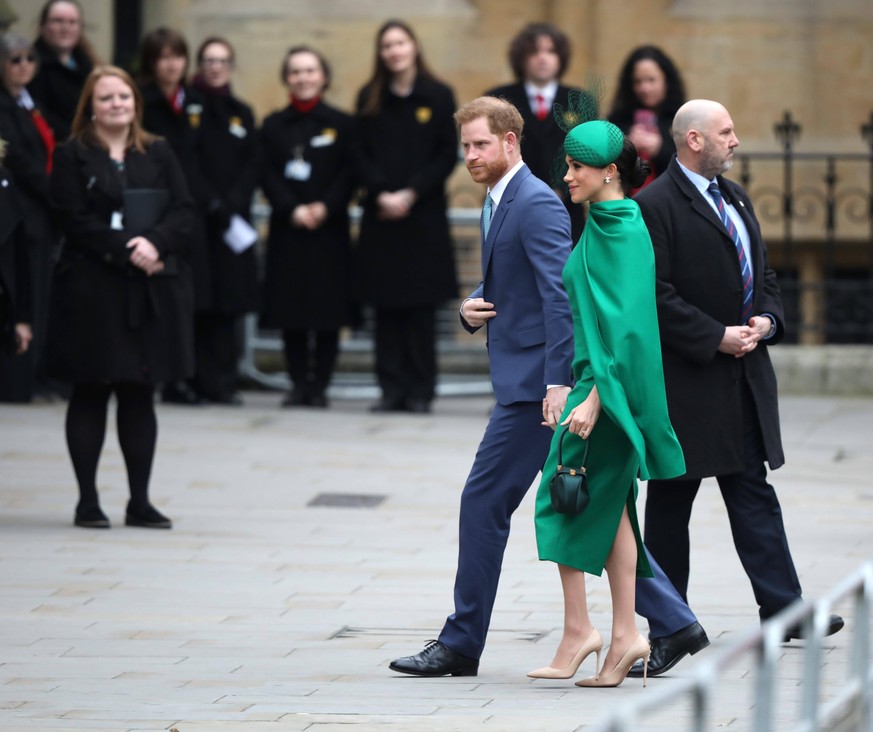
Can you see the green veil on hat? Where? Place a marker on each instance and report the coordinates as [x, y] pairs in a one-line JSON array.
[[596, 143]]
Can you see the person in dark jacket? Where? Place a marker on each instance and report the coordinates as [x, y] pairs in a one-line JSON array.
[[174, 110], [719, 313], [539, 56], [308, 179], [230, 162], [15, 331], [30, 142], [650, 92], [409, 147], [65, 60], [122, 310]]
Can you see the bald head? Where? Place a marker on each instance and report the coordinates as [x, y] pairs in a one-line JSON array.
[[704, 135]]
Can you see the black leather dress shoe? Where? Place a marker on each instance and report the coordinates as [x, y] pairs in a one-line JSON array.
[[436, 659], [669, 650], [418, 406], [835, 623]]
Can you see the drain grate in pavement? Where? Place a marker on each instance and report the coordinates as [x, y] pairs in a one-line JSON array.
[[347, 500], [418, 633]]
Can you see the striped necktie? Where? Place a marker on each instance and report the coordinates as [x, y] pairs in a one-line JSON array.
[[745, 268], [486, 216]]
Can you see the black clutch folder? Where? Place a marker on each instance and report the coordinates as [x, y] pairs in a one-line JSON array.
[[143, 209]]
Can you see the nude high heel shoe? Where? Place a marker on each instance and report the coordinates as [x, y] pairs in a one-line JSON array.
[[593, 644], [639, 649]]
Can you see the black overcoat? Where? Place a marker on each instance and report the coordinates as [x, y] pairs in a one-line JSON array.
[[108, 320], [14, 269], [542, 145], [699, 293], [57, 87], [307, 275], [410, 143], [230, 162], [26, 158], [182, 132]]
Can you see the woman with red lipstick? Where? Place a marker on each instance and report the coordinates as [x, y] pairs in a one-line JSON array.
[[308, 178], [618, 406], [409, 147]]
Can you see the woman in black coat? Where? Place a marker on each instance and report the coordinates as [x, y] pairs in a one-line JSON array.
[[308, 179], [15, 331], [174, 110], [409, 147], [650, 91], [65, 60], [122, 305], [28, 158], [230, 162]]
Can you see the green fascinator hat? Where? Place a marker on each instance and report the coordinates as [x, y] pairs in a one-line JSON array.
[[597, 143]]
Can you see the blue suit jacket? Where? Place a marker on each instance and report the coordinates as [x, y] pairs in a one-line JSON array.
[[530, 340]]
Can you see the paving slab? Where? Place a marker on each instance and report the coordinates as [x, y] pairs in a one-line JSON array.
[[262, 610]]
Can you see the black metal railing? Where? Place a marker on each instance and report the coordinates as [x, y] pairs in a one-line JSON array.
[[817, 211]]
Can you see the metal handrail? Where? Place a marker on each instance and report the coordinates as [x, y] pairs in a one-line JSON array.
[[767, 641]]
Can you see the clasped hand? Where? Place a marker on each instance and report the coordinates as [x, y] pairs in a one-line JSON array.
[[144, 255], [738, 340]]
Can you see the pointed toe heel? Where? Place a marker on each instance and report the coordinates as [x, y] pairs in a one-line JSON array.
[[639, 650], [593, 644]]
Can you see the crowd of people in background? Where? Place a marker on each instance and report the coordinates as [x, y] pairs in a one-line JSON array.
[[310, 161], [69, 334]]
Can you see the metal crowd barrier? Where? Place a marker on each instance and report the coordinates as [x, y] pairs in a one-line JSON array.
[[451, 339], [853, 702]]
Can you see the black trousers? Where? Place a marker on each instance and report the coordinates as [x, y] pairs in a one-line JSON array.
[[755, 518], [217, 352], [406, 365], [310, 357]]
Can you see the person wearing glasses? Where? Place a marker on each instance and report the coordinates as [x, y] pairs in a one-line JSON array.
[[30, 143], [65, 60], [229, 158]]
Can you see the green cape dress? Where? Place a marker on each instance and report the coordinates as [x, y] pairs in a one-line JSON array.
[[610, 280]]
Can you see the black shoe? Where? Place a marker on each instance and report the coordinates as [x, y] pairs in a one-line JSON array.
[[418, 406], [178, 392], [295, 398], [318, 400], [388, 405], [226, 399], [146, 517], [668, 651], [835, 624], [89, 516], [436, 659]]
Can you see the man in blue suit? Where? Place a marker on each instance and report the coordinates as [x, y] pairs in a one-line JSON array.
[[522, 303]]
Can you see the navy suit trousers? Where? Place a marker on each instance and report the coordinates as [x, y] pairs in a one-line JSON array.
[[511, 453]]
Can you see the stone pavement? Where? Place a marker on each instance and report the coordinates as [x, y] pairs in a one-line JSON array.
[[259, 611]]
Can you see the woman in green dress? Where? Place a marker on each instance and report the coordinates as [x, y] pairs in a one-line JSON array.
[[618, 405]]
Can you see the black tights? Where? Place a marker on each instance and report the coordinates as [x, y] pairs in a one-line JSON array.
[[137, 428]]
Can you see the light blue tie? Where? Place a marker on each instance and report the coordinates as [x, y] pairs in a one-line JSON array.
[[486, 216], [745, 268]]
